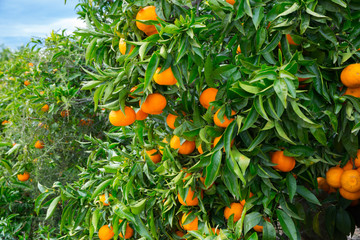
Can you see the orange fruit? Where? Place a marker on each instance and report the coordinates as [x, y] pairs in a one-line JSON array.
[[161, 148], [122, 47], [238, 50], [140, 115], [65, 113], [190, 200], [232, 2], [322, 184], [199, 148], [104, 200], [27, 83], [39, 144], [208, 96], [192, 226], [164, 78], [118, 118], [353, 92], [349, 195], [284, 163], [106, 233], [129, 232], [215, 231], [186, 148], [236, 209], [357, 159], [170, 120], [41, 92], [259, 228], [225, 122], [348, 166], [154, 104], [290, 40], [350, 181], [23, 177], [147, 13], [333, 176], [45, 108], [350, 76], [154, 156], [4, 122], [31, 64]]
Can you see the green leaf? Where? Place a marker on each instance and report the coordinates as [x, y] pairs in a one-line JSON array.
[[269, 232], [258, 16], [291, 186], [39, 200], [101, 187], [251, 220], [138, 206], [287, 224], [298, 112], [319, 135], [208, 71], [309, 196], [281, 90], [151, 69], [291, 9], [95, 218], [250, 119], [90, 48], [282, 133], [212, 170], [52, 207], [340, 2]]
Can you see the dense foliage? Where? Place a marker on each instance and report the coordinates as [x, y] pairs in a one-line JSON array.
[[274, 70]]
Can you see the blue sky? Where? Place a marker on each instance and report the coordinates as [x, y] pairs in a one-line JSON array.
[[20, 20]]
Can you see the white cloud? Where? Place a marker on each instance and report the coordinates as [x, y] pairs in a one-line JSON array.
[[42, 30]]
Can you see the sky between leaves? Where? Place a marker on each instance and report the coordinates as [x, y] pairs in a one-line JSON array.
[[20, 20]]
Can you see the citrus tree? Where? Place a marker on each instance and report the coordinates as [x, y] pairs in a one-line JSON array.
[[44, 118], [226, 120]]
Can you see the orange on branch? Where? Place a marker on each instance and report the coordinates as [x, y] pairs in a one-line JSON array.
[[118, 118], [170, 120], [208, 96], [350, 76], [333, 176], [190, 199], [236, 209], [23, 177], [192, 226], [140, 115], [225, 122], [154, 156], [284, 163], [122, 46], [350, 181], [105, 201], [105, 233], [147, 13], [39, 144], [186, 148], [129, 232], [166, 77], [154, 104]]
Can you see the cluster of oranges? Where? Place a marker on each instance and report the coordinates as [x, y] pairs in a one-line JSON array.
[[346, 179], [106, 232]]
